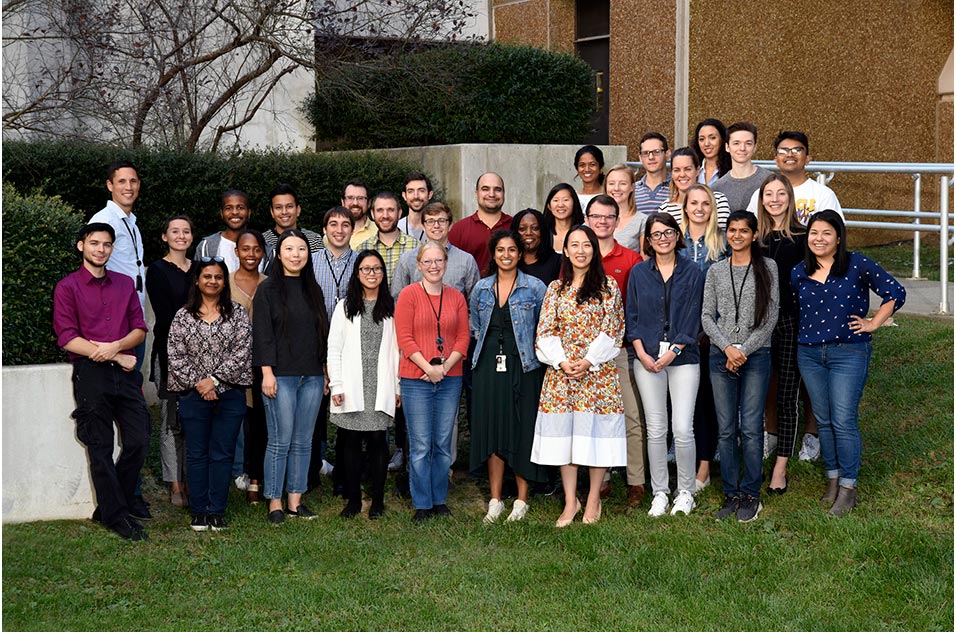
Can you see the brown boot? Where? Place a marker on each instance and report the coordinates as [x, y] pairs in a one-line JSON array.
[[635, 495], [845, 501], [833, 486]]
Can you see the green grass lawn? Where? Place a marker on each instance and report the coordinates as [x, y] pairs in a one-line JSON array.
[[886, 566], [897, 258]]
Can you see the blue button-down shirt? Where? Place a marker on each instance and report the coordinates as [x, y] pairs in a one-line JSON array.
[[332, 275], [525, 307], [826, 308], [645, 313]]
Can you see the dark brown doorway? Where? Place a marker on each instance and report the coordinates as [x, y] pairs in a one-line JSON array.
[[593, 44]]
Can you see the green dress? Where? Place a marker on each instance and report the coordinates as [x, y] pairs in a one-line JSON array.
[[504, 405]]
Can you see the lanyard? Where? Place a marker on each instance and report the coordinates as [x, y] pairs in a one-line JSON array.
[[667, 298], [441, 301], [501, 331], [338, 280], [738, 297], [139, 260]]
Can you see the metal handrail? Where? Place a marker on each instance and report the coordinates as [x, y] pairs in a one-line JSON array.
[[825, 171]]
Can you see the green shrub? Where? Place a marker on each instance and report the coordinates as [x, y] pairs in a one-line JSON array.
[[191, 183], [456, 94], [38, 251]]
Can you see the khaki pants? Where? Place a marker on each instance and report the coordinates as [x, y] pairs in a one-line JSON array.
[[633, 420]]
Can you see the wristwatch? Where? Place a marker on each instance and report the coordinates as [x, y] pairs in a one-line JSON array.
[[215, 381], [677, 350]]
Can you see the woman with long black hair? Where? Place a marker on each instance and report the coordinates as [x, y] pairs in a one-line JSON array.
[[739, 311], [290, 335], [581, 413], [363, 380], [562, 210], [710, 145], [832, 287]]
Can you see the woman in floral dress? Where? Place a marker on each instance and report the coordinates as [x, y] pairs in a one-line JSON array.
[[581, 413]]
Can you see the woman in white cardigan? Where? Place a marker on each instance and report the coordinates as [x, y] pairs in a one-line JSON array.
[[363, 380]]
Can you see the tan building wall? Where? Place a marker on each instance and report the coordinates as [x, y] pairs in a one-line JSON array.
[[860, 80]]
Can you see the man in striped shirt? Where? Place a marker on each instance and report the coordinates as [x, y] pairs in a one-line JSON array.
[[653, 188]]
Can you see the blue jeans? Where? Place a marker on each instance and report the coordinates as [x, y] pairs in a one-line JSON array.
[[290, 420], [835, 374], [740, 396], [210, 429], [431, 411]]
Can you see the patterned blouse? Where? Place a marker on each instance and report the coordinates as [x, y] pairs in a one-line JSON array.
[[599, 391], [221, 349]]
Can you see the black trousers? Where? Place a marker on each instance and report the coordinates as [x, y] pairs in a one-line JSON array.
[[105, 394], [348, 447], [255, 434]]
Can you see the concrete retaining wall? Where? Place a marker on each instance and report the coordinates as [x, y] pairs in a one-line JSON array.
[[529, 171], [46, 475]]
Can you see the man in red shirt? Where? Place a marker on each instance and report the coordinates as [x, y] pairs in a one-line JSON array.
[[602, 216], [472, 233], [98, 321]]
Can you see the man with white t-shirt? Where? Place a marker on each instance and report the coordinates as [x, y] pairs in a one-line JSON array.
[[792, 155], [234, 209]]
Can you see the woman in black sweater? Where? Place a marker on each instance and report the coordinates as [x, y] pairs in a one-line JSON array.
[[290, 334]]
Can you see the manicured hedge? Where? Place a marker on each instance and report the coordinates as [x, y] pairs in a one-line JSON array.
[[191, 183], [38, 250], [456, 94]]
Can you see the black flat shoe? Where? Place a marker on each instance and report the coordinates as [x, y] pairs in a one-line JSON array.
[[778, 491]]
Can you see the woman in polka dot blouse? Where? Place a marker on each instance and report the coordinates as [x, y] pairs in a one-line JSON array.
[[831, 287]]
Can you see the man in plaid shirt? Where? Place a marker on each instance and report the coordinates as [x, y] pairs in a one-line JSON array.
[[390, 242]]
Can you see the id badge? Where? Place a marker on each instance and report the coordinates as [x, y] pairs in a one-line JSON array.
[[501, 363], [664, 348]]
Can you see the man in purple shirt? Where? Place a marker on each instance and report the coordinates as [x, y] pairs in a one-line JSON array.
[[98, 321]]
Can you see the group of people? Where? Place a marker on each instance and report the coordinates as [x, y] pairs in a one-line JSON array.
[[626, 312]]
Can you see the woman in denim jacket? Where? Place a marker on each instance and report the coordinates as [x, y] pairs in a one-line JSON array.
[[507, 379]]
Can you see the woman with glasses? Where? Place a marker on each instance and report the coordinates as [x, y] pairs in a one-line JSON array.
[[580, 418], [431, 321], [562, 210], [619, 184], [167, 283], [685, 165], [739, 314], [832, 287], [210, 365], [539, 259], [290, 334], [663, 323], [363, 380], [506, 374]]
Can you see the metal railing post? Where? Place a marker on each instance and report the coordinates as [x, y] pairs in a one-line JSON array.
[[943, 243], [917, 191]]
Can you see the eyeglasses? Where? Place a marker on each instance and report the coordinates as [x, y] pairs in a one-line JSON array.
[[602, 218], [659, 235], [211, 259], [355, 198], [428, 263], [371, 269], [436, 221], [652, 152], [786, 151]]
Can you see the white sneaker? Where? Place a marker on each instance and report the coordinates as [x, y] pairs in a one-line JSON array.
[[495, 509], [684, 503], [518, 512], [326, 468], [398, 460], [658, 505], [769, 445], [701, 485], [810, 450], [242, 482]]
